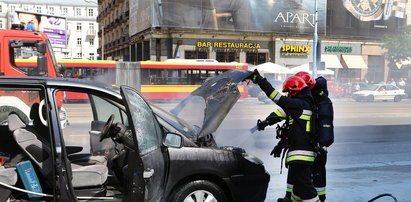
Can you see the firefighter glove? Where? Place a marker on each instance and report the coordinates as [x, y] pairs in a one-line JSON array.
[[276, 152], [255, 77], [261, 124]]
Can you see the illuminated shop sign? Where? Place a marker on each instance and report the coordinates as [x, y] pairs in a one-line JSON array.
[[340, 49], [297, 50], [228, 45]]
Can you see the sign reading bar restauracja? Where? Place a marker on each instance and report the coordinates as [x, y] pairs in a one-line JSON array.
[[340, 49], [297, 50], [228, 45]]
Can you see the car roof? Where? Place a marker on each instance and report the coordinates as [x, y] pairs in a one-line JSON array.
[[62, 83]]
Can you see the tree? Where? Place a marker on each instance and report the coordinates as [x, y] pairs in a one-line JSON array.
[[398, 47]]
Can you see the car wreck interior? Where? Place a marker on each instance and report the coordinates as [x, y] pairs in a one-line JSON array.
[[97, 159]]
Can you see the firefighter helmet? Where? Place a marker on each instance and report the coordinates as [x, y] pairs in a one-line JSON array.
[[293, 85], [309, 80]]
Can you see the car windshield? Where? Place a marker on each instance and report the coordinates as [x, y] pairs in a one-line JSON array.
[[372, 87]]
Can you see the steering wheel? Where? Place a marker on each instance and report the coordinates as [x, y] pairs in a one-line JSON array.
[[106, 129]]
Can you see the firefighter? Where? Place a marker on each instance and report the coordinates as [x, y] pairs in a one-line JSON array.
[[319, 172], [296, 109]]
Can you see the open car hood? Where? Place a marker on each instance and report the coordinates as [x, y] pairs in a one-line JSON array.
[[207, 106]]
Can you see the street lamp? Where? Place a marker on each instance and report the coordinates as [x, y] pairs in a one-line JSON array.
[[315, 41]]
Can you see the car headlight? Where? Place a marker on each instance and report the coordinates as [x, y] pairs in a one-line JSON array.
[[252, 158]]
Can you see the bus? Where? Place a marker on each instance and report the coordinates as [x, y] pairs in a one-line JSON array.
[[172, 79], [177, 78]]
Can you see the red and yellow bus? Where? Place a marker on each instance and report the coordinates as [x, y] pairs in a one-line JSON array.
[[176, 79], [169, 80]]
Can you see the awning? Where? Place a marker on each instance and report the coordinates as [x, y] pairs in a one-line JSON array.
[[306, 68], [354, 62], [403, 63], [331, 61], [271, 68]]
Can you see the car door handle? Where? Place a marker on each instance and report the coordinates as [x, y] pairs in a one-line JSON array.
[[148, 173]]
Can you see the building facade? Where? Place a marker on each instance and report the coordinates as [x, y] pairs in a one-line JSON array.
[[80, 17], [255, 32]]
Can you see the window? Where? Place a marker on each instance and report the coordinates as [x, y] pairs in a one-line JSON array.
[[51, 10], [78, 11], [91, 56], [196, 54], [12, 8], [78, 26], [90, 12], [65, 11], [1, 9], [144, 122], [1, 24], [26, 8], [223, 56], [38, 9], [79, 55], [66, 54], [91, 41], [79, 41], [256, 58]]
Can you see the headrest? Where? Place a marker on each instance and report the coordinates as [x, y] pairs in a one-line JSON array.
[[34, 111], [15, 122]]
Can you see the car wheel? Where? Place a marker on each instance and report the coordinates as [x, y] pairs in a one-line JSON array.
[[397, 98], [199, 190], [370, 98]]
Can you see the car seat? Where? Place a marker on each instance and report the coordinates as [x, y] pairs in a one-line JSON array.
[[43, 131], [9, 177], [39, 151]]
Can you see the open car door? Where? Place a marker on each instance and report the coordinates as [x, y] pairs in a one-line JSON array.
[[149, 140]]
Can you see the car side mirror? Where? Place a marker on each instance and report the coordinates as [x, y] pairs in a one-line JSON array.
[[173, 140], [41, 48], [42, 65]]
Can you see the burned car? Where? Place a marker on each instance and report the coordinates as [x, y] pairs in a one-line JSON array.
[[114, 149]]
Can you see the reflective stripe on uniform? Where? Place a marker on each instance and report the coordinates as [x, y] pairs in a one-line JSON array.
[[315, 199], [289, 188], [280, 112], [275, 96], [295, 198], [320, 190], [300, 155], [306, 115]]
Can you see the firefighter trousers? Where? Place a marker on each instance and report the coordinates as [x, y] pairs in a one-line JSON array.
[[301, 177]]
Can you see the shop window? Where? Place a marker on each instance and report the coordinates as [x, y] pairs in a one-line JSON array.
[[196, 54], [227, 56], [256, 58]]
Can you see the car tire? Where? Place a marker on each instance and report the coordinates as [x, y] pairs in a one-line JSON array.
[[397, 98], [197, 190], [370, 98]]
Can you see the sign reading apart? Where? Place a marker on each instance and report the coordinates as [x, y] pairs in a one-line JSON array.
[[228, 45], [297, 50], [340, 49]]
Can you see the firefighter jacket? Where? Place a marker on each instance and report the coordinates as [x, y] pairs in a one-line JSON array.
[[297, 111]]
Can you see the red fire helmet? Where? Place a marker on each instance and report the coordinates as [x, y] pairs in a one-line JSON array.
[[309, 80], [294, 84]]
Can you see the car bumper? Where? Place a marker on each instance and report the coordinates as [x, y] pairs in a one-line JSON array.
[[249, 187]]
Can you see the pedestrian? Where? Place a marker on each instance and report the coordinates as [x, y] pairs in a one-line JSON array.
[[401, 83], [296, 109]]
